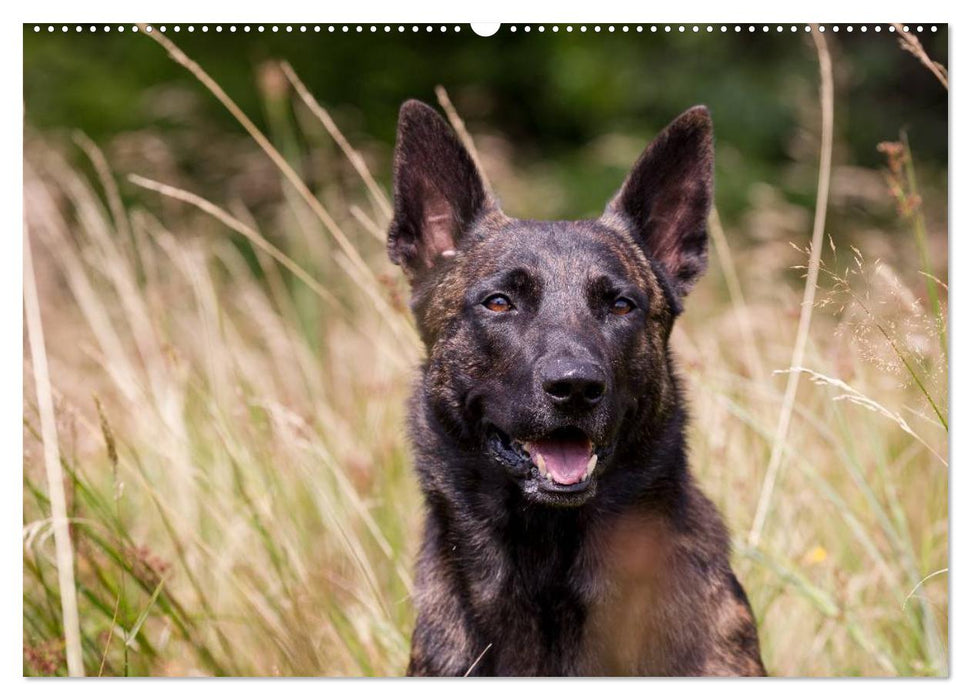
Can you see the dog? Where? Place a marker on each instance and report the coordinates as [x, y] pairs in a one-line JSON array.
[[564, 533]]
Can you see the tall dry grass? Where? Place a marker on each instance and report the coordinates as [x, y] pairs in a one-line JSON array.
[[229, 407]]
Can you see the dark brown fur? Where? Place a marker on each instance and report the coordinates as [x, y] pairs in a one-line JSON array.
[[627, 573]]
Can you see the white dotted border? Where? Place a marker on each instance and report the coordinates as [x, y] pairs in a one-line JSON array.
[[415, 28]]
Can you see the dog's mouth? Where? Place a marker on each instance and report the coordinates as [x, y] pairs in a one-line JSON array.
[[557, 468], [564, 458]]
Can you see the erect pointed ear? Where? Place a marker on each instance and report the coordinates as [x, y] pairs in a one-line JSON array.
[[438, 192], [667, 196]]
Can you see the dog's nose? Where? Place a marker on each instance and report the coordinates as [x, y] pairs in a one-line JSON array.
[[575, 384]]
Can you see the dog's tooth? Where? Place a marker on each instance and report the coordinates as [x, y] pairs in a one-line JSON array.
[[527, 446], [590, 466], [541, 463]]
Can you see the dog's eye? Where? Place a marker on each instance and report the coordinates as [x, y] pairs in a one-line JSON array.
[[621, 306], [499, 303]]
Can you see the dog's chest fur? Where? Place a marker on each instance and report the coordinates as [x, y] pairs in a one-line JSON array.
[[628, 630], [574, 598], [631, 593]]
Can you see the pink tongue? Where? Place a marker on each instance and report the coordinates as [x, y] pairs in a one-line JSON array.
[[566, 460]]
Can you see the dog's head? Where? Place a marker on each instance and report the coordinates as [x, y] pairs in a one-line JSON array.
[[547, 341]]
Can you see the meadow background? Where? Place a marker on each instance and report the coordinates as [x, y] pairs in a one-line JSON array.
[[227, 351]]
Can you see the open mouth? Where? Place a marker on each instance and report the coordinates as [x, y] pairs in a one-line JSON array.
[[566, 457], [561, 462]]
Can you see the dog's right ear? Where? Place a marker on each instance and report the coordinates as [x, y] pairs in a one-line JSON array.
[[438, 192], [667, 197]]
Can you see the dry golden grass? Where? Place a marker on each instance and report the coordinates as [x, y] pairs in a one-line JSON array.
[[230, 406]]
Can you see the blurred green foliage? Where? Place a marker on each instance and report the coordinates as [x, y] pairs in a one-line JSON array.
[[549, 94]]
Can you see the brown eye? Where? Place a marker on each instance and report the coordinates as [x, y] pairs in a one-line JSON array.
[[498, 303], [621, 306]]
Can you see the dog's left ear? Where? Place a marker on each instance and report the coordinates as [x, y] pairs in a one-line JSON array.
[[667, 196], [438, 192]]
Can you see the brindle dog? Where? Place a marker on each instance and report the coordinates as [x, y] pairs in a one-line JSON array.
[[564, 533]]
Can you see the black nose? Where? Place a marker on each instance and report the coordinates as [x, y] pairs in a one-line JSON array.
[[574, 384]]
